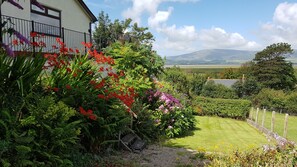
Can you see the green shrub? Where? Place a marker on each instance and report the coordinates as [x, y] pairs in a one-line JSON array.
[[271, 99], [196, 83], [213, 90], [247, 88], [178, 80], [222, 107], [45, 136], [291, 103], [257, 157]]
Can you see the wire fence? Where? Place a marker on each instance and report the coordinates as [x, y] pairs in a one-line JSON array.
[[280, 126]]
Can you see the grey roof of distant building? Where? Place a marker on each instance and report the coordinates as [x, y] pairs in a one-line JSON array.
[[225, 82]]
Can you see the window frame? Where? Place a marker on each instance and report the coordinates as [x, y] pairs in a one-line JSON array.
[[46, 14]]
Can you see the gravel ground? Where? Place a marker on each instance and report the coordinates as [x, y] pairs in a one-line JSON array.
[[160, 156]]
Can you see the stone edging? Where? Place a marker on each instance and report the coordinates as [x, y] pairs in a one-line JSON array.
[[281, 141]]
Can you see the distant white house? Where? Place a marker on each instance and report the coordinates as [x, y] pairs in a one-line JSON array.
[[69, 20]]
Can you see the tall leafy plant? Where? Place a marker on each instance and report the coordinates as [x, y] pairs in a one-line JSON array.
[[18, 76]]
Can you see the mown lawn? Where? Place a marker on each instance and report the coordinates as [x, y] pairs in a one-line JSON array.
[[216, 134], [279, 123]]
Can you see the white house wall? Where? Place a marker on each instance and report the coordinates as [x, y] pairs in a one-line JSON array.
[[10, 10], [73, 16]]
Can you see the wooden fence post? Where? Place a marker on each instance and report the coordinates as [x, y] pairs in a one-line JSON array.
[[257, 113], [251, 113], [263, 117], [286, 126], [272, 121]]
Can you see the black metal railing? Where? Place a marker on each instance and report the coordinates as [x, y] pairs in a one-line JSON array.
[[49, 33]]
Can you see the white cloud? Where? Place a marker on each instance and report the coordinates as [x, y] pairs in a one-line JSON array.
[[283, 27], [158, 18], [218, 38], [174, 40], [140, 7]]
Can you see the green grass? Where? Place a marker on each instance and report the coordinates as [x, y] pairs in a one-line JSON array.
[[216, 134], [279, 123]]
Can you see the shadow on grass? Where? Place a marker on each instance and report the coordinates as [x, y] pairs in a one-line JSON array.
[[189, 133]]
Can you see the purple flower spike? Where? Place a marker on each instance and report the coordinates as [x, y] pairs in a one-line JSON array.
[[34, 2], [8, 50], [21, 37], [15, 4]]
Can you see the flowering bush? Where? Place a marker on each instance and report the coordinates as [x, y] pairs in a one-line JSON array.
[[89, 83], [171, 118]]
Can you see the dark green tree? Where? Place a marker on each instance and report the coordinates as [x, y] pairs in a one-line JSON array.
[[272, 70], [246, 88], [108, 32]]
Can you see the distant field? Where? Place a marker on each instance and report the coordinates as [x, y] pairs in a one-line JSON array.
[[211, 70], [216, 134], [212, 66]]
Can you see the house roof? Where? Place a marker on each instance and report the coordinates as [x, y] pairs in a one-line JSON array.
[[226, 82], [88, 11]]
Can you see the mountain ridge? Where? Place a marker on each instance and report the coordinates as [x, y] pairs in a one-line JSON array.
[[217, 56]]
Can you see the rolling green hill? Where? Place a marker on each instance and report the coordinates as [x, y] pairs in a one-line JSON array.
[[217, 56]]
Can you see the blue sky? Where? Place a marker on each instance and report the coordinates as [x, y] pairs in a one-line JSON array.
[[184, 26]]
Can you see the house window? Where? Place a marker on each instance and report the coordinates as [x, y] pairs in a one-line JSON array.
[[47, 21]]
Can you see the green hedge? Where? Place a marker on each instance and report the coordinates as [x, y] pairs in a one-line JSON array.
[[222, 107]]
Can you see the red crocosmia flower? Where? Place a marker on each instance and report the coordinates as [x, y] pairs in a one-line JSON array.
[[82, 111], [87, 44], [77, 51], [100, 96], [93, 117], [55, 89], [89, 112], [15, 42], [101, 69], [71, 50], [34, 44], [68, 70], [33, 34], [92, 82], [54, 47], [90, 72], [68, 87], [122, 73], [21, 42], [58, 40], [42, 44], [62, 62], [74, 74]]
